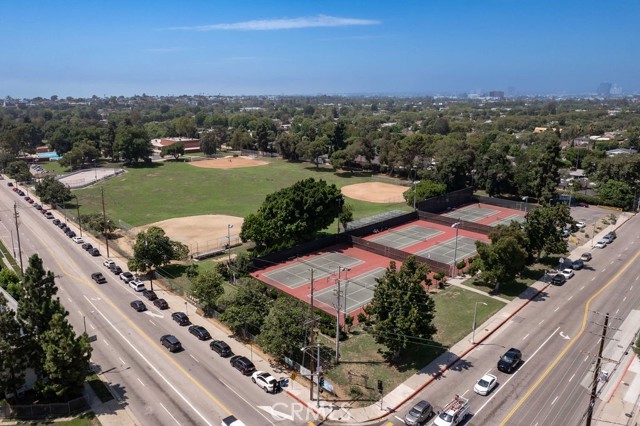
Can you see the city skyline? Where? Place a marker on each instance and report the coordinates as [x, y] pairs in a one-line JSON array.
[[82, 49]]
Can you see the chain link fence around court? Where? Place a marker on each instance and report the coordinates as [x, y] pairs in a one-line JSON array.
[[44, 411]]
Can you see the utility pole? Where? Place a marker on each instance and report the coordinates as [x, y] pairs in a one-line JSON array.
[[104, 222], [15, 215], [311, 338], [596, 372]]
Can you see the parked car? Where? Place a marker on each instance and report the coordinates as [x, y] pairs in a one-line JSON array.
[[581, 224], [137, 285], [49, 215], [171, 342], [37, 206], [600, 244], [567, 272], [566, 233], [70, 233], [78, 240], [577, 264], [9, 184], [56, 222], [266, 381], [558, 279], [608, 238], [27, 199], [98, 278], [613, 234], [161, 304], [126, 276], [94, 252], [485, 385], [115, 269], [150, 295], [585, 257], [87, 246], [221, 348], [108, 263], [181, 318], [138, 305], [419, 414], [510, 360], [200, 332], [242, 364]]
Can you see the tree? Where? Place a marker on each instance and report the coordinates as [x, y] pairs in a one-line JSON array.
[[99, 223], [495, 173], [52, 191], [154, 249], [543, 228], [206, 287], [14, 359], [244, 309], [286, 145], [10, 281], [425, 189], [339, 136], [454, 162], [81, 154], [284, 330], [404, 311], [313, 150], [537, 170], [66, 359], [617, 194], [292, 215], [175, 150], [132, 144], [19, 170], [501, 261]]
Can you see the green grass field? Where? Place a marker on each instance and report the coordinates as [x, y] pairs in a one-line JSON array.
[[166, 190]]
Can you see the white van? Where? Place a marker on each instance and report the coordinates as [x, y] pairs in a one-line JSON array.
[[137, 285]]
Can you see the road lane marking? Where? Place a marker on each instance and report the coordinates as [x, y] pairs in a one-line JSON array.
[[611, 263], [153, 323], [593, 279], [617, 310], [169, 412], [586, 358], [69, 299], [106, 342], [92, 327], [502, 385], [631, 288], [194, 358], [402, 420], [540, 322], [569, 298], [554, 400], [121, 360], [155, 369], [572, 342], [574, 375], [556, 309], [527, 335], [603, 269], [582, 288], [625, 298], [141, 382]]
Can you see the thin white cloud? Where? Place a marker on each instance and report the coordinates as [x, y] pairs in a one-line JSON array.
[[284, 24]]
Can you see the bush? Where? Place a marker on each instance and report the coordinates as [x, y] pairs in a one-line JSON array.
[[362, 318]]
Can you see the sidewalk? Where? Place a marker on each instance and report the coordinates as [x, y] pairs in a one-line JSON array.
[[416, 383]]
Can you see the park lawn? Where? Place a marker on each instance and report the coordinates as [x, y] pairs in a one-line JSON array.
[[510, 291], [360, 353], [88, 419], [147, 194]]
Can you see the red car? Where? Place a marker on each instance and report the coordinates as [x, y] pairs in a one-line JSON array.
[[15, 189]]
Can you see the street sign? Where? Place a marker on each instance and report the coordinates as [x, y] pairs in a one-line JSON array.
[[293, 375]]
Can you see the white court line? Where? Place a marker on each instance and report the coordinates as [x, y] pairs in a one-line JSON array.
[[168, 412]]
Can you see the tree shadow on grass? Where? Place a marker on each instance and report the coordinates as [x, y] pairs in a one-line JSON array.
[[175, 270], [418, 357], [144, 165]]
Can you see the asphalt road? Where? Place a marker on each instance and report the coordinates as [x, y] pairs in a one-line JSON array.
[[192, 387], [558, 335]]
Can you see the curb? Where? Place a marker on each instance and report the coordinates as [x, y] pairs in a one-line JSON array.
[[303, 403]]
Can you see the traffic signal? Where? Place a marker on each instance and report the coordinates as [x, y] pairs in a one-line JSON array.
[[321, 381], [380, 386]]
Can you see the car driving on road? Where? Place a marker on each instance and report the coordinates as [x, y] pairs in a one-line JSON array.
[[510, 360], [98, 278], [419, 414], [485, 385], [171, 342], [138, 305]]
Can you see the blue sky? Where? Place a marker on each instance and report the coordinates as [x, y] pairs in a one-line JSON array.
[[85, 48]]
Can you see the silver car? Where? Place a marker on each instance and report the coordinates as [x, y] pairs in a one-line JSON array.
[[419, 414]]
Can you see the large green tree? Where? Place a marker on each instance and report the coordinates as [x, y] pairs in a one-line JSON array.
[[501, 261], [19, 170], [213, 139], [82, 153], [52, 191], [206, 287], [175, 150], [543, 227], [153, 249], [403, 309], [423, 190], [244, 309], [14, 359], [284, 330], [616, 193], [132, 144], [292, 215], [537, 170]]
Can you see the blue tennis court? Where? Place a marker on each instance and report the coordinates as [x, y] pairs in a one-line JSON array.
[[445, 251], [357, 291], [406, 237], [299, 273]]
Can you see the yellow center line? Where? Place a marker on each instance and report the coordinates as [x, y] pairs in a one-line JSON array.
[[134, 326], [575, 339]]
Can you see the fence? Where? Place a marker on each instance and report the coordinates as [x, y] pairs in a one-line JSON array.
[[299, 250], [366, 227], [203, 249], [396, 254], [42, 411], [442, 202], [510, 204], [254, 153], [448, 221]]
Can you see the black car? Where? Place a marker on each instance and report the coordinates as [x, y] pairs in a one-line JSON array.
[[577, 264], [56, 222], [61, 225], [558, 279], [171, 342], [115, 269], [612, 235], [138, 305], [37, 206], [221, 348], [510, 360], [94, 252], [98, 278], [161, 304], [87, 246], [242, 364], [181, 318], [71, 233], [200, 332], [150, 295]]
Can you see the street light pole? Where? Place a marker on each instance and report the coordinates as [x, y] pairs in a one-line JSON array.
[[229, 226], [475, 313], [78, 210], [455, 250], [526, 201], [415, 194]]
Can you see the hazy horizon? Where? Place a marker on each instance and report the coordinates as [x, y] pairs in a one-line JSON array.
[[80, 49]]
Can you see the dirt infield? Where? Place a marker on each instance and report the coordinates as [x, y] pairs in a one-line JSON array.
[[375, 192], [228, 163]]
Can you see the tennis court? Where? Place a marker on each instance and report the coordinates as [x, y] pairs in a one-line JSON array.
[[406, 237], [508, 220], [471, 213], [299, 273], [357, 291], [444, 252]]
